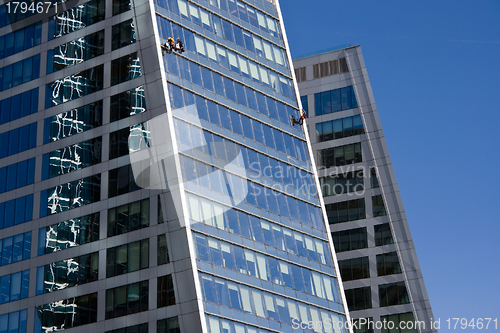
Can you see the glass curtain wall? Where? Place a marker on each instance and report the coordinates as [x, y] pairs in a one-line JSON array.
[[260, 238]]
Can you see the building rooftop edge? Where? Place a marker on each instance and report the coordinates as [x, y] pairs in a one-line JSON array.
[[319, 52]]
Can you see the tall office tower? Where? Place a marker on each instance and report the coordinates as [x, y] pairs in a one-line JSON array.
[[144, 190], [377, 259]]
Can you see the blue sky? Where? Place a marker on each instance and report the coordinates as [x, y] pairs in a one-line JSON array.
[[435, 74]]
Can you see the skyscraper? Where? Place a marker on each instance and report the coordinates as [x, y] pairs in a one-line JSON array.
[[378, 263], [151, 191]]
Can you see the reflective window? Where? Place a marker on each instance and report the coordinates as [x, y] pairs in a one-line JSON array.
[[341, 155], [16, 211], [121, 6], [18, 140], [343, 183], [256, 165], [18, 106], [267, 25], [70, 195], [141, 328], [20, 72], [75, 52], [359, 298], [238, 222], [349, 240], [68, 159], [121, 180], [217, 325], [305, 105], [74, 86], [265, 267], [7, 18], [73, 122], [387, 264], [20, 40], [252, 129], [118, 143], [169, 325], [226, 58], [363, 325], [264, 198], [393, 294], [163, 257], [127, 258], [345, 211], [128, 299], [165, 295], [373, 178], [17, 175], [128, 217], [125, 68], [76, 18], [354, 269], [14, 286], [383, 234], [15, 248], [67, 234], [397, 321], [13, 322], [378, 206], [339, 128], [67, 273], [123, 34], [160, 212], [127, 103], [257, 302], [334, 100], [129, 139], [67, 313]]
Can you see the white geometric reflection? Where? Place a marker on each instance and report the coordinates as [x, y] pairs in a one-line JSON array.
[[56, 275], [74, 86], [70, 21], [152, 158]]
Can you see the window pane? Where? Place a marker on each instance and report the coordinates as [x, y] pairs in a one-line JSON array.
[[134, 256]]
